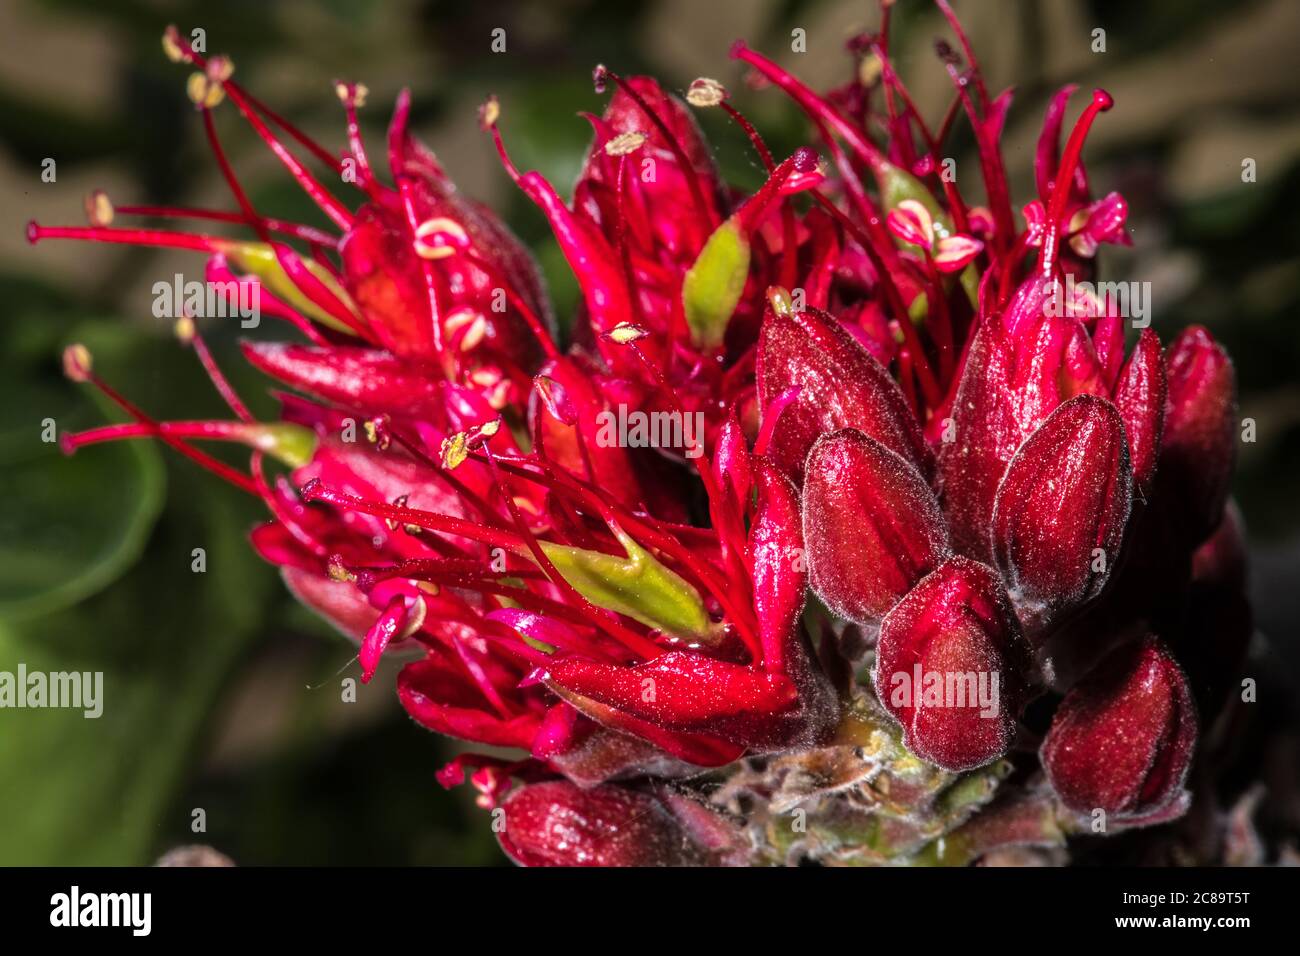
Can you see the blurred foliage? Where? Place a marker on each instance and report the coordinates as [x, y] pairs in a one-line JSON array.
[[221, 693]]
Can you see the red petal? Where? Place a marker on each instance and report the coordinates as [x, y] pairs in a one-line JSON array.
[[985, 434], [1066, 493], [779, 574], [1140, 398], [365, 379], [872, 526], [682, 691], [442, 699]]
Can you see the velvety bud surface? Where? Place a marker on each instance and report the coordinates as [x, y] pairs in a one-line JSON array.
[[1061, 510], [946, 666], [559, 824], [840, 386], [872, 526], [1199, 446], [1122, 740]]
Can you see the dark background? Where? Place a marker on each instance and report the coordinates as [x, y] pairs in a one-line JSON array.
[[221, 693]]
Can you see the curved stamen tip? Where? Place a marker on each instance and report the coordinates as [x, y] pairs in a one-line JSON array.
[[489, 113], [33, 231], [311, 491], [1103, 99], [77, 362], [175, 49], [705, 92], [738, 49], [805, 159]]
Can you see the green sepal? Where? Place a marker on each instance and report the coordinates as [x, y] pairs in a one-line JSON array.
[[713, 285], [638, 586]]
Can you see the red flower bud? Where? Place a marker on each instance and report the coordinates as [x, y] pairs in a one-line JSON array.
[[1122, 740], [946, 666], [1199, 447], [1061, 510], [873, 527], [840, 386], [560, 824]]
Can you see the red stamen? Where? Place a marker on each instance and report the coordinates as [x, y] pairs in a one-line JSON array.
[[219, 468], [335, 210], [162, 238], [929, 384], [458, 527], [219, 380], [1101, 102], [296, 230]]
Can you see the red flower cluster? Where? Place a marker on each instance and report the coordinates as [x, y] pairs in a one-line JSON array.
[[908, 405]]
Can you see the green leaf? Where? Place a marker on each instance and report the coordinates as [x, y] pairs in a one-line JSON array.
[[93, 791], [68, 526], [712, 287], [637, 586]]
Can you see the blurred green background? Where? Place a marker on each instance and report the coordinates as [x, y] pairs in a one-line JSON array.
[[221, 693]]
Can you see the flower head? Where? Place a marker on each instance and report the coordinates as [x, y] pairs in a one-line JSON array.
[[849, 382]]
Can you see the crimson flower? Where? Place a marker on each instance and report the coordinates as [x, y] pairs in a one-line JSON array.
[[907, 408]]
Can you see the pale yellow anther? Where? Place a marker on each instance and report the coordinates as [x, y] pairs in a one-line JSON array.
[[455, 449], [626, 332], [491, 428], [474, 336], [624, 143], [184, 329], [353, 93], [779, 299], [338, 571], [99, 209], [473, 323], [377, 437], [414, 618], [77, 362], [705, 92], [489, 112], [171, 46], [499, 397], [869, 69], [449, 232], [204, 91]]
